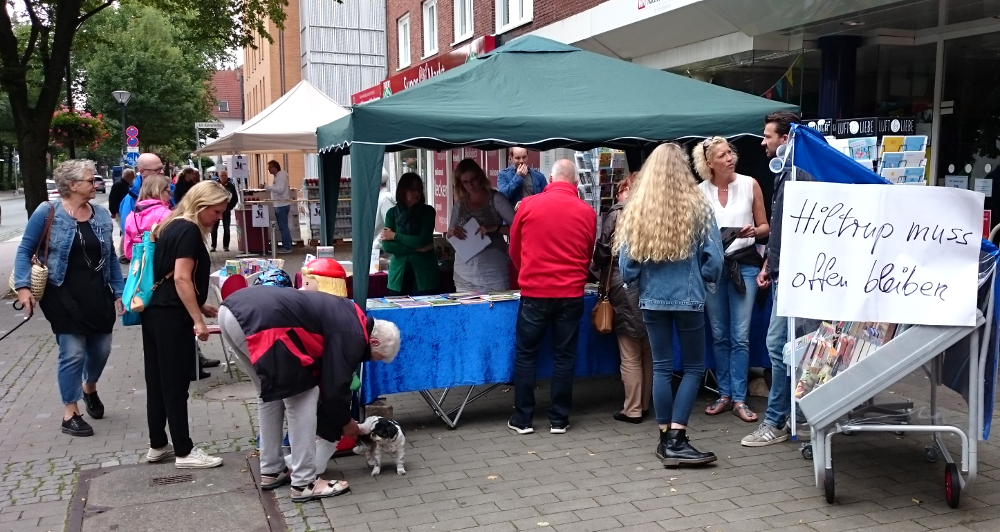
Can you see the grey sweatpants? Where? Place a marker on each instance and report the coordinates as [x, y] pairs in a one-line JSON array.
[[300, 410]]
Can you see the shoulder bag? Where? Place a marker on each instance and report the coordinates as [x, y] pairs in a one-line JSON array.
[[140, 284], [39, 270], [603, 315]]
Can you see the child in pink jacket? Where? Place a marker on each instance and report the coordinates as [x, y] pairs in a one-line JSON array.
[[153, 207]]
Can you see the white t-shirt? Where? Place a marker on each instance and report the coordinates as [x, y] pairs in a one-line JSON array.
[[738, 211]]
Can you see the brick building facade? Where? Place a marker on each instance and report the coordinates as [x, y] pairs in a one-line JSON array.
[[539, 13]]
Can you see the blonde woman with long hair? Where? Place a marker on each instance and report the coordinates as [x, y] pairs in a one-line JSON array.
[[175, 314], [738, 204], [668, 242]]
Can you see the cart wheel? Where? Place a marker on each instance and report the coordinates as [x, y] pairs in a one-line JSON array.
[[931, 453], [952, 485], [847, 432], [900, 422], [807, 451], [828, 484]]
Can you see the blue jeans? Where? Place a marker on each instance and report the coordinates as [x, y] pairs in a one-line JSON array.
[[534, 317], [281, 216], [779, 403], [81, 359], [729, 315], [691, 332]]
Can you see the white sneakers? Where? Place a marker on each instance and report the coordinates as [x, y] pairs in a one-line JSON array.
[[197, 459], [161, 454]]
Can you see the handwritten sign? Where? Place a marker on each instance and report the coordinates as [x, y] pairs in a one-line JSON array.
[[880, 253], [261, 216]]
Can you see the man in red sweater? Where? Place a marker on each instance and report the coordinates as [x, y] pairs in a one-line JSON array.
[[551, 242]]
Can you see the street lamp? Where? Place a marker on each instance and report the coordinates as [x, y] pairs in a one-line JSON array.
[[122, 98]]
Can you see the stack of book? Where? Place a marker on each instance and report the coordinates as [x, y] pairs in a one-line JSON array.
[[442, 300], [835, 347], [903, 159]]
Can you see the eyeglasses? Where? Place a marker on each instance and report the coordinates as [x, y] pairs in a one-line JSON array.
[[153, 170], [91, 180]]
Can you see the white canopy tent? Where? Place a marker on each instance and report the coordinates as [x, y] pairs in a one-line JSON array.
[[286, 126]]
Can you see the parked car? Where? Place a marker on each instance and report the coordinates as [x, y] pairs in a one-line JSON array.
[[99, 184], [53, 191]]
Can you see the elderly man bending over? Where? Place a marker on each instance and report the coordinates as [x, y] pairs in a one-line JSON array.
[[300, 348]]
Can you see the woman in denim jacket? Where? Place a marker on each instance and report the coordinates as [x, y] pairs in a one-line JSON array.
[[84, 290], [670, 244]]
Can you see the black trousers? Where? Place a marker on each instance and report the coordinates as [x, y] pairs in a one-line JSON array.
[[168, 345], [227, 218]]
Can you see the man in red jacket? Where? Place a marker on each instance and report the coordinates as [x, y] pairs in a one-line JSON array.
[[551, 242]]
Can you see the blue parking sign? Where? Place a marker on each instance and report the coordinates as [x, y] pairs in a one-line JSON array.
[[132, 158]]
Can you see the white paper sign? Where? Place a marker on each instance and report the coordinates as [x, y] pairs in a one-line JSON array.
[[957, 181], [880, 253], [261, 216], [239, 170], [985, 186], [314, 215], [473, 243]]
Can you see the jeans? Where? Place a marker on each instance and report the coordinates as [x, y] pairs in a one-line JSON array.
[[227, 218], [691, 332], [281, 216], [729, 315], [779, 403], [81, 359], [535, 316]]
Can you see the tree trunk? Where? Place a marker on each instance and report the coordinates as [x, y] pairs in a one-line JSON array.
[[33, 146]]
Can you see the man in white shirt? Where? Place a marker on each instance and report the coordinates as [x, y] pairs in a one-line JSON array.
[[280, 194], [386, 201]]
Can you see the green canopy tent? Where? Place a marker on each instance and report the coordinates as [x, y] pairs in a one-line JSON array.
[[532, 92]]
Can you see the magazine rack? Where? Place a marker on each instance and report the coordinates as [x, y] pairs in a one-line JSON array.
[[938, 350]]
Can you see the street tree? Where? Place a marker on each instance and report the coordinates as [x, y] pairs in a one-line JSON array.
[[52, 28]]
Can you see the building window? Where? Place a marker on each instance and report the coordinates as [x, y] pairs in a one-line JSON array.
[[403, 39], [430, 27], [463, 20], [223, 107], [513, 13]]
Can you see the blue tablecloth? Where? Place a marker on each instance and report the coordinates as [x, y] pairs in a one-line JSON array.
[[463, 345]]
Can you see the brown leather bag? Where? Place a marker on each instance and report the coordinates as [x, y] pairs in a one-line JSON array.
[[603, 315]]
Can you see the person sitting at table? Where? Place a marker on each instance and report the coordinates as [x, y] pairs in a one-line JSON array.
[[300, 349], [409, 237], [488, 270]]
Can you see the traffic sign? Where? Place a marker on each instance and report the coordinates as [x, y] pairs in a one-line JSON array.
[[132, 131], [132, 149], [132, 141], [132, 158], [209, 125]]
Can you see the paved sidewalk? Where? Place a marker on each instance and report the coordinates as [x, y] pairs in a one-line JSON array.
[[600, 475]]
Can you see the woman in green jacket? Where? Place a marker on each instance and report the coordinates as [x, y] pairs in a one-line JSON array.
[[409, 237]]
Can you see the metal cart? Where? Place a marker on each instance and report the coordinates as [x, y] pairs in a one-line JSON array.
[[938, 350]]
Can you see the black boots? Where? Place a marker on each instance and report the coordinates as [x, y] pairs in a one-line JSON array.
[[674, 450]]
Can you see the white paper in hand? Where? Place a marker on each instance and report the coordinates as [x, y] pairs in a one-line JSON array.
[[473, 243]]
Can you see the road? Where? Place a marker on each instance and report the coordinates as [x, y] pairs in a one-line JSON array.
[[12, 225]]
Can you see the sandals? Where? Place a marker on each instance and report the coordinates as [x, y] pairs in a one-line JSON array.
[[743, 412], [320, 489], [270, 482], [719, 406]]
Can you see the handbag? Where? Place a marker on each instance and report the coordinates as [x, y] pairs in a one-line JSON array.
[[140, 284], [603, 315], [39, 271]]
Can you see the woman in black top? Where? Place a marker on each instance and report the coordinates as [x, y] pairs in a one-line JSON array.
[[174, 317], [188, 178], [84, 288]]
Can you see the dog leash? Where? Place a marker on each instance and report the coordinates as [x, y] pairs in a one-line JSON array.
[[17, 306]]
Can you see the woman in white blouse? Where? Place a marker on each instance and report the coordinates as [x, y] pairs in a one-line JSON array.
[[740, 215], [488, 271]]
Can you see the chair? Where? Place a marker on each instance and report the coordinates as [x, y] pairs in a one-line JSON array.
[[231, 284]]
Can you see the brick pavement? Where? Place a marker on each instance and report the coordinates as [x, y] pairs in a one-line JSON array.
[[600, 475]]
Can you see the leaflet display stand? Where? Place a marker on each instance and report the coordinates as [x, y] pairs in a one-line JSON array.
[[841, 405]]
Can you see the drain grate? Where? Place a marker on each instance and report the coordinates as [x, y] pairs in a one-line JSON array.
[[173, 479]]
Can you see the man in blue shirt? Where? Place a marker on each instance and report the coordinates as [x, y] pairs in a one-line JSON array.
[[517, 181]]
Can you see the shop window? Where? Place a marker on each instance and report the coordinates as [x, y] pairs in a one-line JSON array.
[[223, 107], [513, 13], [430, 28], [463, 20], [403, 39]]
